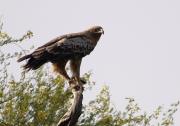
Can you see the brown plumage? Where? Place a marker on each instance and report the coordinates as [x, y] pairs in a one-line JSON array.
[[70, 47]]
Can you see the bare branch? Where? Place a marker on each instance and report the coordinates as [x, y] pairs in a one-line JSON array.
[[72, 115]]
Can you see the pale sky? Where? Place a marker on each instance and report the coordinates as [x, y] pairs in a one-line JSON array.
[[138, 56]]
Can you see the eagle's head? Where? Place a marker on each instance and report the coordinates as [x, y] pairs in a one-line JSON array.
[[94, 33], [96, 30]]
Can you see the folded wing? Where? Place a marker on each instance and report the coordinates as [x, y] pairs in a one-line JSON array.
[[58, 49]]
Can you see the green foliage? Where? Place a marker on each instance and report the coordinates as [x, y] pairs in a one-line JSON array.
[[100, 112], [6, 39], [37, 100], [40, 99]]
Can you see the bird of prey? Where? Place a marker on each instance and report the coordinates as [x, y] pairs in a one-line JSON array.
[[69, 47]]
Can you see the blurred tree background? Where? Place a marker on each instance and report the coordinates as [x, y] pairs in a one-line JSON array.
[[41, 99]]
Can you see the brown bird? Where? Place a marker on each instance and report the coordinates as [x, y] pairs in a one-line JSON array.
[[70, 47]]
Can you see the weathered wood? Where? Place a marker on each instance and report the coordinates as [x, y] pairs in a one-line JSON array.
[[72, 115]]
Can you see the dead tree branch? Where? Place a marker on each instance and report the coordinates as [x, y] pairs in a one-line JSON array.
[[71, 116]]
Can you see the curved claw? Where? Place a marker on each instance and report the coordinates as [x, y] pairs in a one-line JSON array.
[[83, 81], [74, 80]]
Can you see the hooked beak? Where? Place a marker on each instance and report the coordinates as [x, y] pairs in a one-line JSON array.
[[102, 31]]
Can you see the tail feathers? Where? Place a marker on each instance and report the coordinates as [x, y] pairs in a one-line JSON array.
[[23, 58], [33, 64]]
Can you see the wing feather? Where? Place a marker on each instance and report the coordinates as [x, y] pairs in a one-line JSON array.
[[79, 46], [64, 47]]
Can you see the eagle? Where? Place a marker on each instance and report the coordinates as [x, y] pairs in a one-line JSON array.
[[69, 47]]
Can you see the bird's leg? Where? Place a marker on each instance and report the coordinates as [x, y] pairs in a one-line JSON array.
[[75, 69], [60, 68]]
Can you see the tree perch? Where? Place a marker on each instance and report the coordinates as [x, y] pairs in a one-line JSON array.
[[72, 115]]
